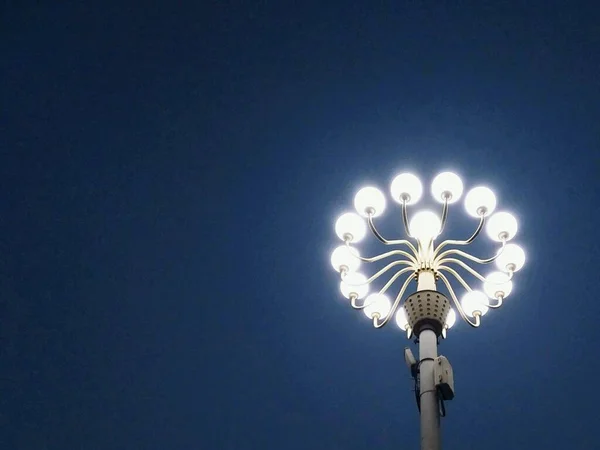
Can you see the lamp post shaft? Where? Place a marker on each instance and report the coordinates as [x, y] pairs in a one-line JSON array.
[[426, 281], [430, 415]]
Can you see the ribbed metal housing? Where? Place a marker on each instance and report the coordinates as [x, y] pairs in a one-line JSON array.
[[427, 307]]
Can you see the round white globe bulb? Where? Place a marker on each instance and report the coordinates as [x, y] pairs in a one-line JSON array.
[[408, 187], [502, 226], [369, 200], [451, 319], [401, 319], [497, 284], [354, 283], [344, 258], [480, 201], [473, 302], [350, 226], [512, 258], [377, 304], [425, 226], [447, 186]]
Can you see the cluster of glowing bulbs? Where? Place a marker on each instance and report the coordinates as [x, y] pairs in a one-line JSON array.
[[425, 226]]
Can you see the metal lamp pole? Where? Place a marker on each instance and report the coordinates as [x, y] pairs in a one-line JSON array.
[[428, 400], [427, 314]]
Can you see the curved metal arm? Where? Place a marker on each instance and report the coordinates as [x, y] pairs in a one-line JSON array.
[[467, 242], [463, 265], [353, 299], [387, 241], [374, 230], [473, 271], [456, 275], [395, 277], [376, 322], [477, 321], [381, 272], [454, 251], [497, 305], [412, 258], [405, 219], [385, 288], [444, 215]]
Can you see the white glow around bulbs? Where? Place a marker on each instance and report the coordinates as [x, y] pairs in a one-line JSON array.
[[497, 284], [353, 284], [425, 225], [351, 225], [377, 304], [447, 183], [406, 184], [451, 319], [511, 258], [502, 224], [480, 200], [345, 258], [474, 301], [401, 319], [369, 200]]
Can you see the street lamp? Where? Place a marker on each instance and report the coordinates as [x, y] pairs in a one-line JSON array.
[[427, 314]]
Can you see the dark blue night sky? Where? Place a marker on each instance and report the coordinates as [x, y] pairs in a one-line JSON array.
[[170, 176]]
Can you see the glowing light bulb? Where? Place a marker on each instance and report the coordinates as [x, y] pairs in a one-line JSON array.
[[497, 284], [369, 200], [354, 283], [407, 186], [344, 258], [512, 258], [480, 201], [377, 304], [447, 186], [425, 226], [502, 226], [401, 319], [473, 302], [350, 226]]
